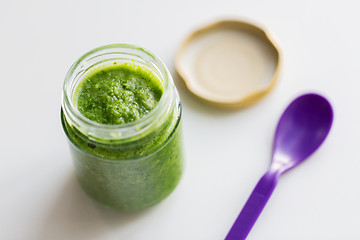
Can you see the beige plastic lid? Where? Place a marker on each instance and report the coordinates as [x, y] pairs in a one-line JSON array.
[[230, 63]]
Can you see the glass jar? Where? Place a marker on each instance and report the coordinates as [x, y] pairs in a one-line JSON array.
[[129, 166]]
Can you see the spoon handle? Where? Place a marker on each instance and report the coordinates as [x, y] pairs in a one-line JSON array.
[[253, 206]]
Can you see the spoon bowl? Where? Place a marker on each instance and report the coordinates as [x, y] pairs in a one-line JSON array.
[[301, 130]]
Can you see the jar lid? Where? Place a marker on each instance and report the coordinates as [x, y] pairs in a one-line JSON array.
[[231, 63]]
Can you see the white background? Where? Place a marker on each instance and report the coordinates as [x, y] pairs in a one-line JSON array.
[[226, 151]]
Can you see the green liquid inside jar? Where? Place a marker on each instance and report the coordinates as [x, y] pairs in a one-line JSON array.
[[117, 94], [129, 173]]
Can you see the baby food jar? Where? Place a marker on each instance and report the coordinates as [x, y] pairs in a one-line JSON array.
[[127, 166]]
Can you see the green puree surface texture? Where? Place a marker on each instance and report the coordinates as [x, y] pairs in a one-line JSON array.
[[118, 93], [137, 173]]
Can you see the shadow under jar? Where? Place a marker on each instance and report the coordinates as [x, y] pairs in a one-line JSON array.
[[131, 165]]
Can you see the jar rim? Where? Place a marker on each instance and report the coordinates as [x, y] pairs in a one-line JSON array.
[[137, 126]]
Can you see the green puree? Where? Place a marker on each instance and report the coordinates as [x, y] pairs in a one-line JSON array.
[[132, 174], [118, 94]]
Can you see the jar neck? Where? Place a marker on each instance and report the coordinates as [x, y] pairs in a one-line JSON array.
[[119, 53]]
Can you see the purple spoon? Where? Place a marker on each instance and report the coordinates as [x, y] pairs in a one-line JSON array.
[[302, 128]]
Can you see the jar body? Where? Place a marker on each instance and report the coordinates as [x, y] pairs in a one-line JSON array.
[[131, 184], [129, 171]]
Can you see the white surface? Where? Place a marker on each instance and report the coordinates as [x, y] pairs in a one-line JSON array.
[[227, 151]]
